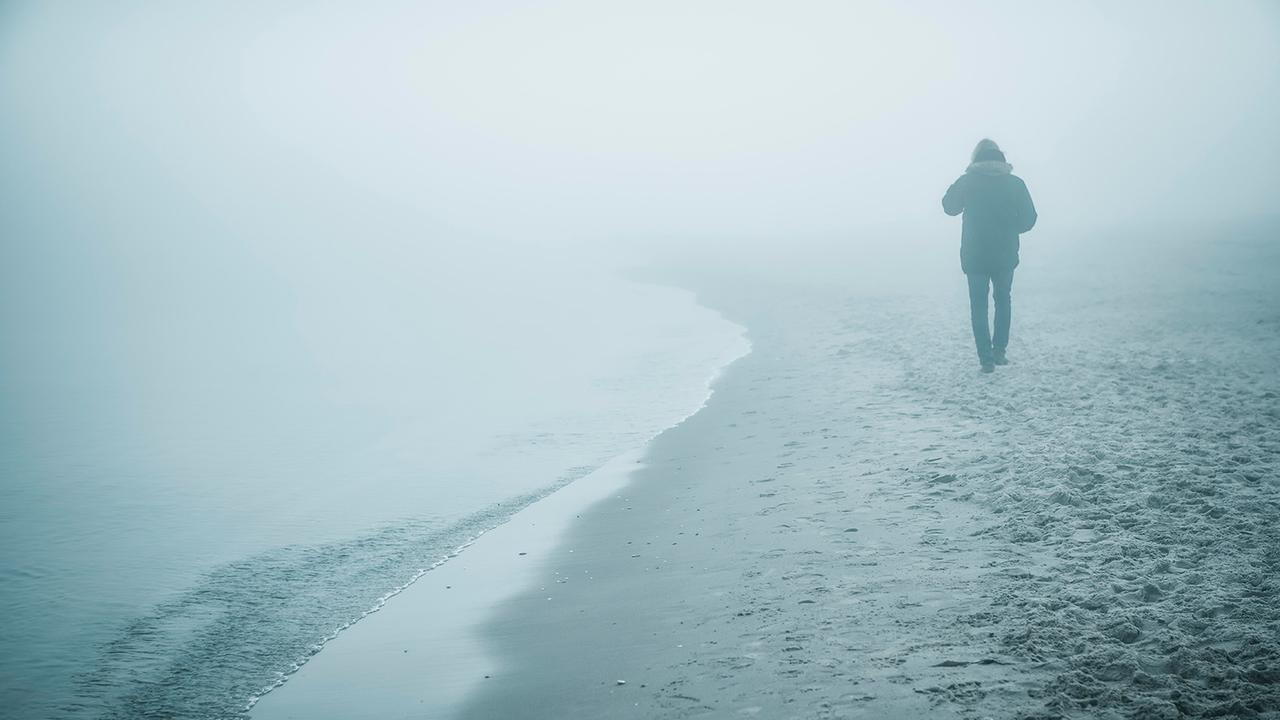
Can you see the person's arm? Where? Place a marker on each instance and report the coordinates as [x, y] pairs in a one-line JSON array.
[[1026, 210], [953, 201]]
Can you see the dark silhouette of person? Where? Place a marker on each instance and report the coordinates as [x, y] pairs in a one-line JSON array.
[[997, 208]]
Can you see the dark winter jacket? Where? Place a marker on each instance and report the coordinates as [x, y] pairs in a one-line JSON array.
[[997, 208]]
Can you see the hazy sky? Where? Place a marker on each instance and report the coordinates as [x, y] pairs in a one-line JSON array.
[[538, 120]]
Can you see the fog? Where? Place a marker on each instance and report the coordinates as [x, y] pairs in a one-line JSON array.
[[283, 274], [156, 150], [535, 124]]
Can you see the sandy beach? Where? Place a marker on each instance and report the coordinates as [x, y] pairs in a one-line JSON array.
[[858, 525], [577, 359]]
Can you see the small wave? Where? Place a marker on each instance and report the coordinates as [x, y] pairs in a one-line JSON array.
[[215, 650]]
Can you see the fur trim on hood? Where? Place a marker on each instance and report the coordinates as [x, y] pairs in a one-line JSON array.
[[989, 167]]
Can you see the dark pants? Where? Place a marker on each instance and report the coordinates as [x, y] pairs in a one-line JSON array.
[[1001, 283]]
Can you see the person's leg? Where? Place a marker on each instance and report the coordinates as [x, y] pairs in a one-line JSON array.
[[1001, 287], [978, 316]]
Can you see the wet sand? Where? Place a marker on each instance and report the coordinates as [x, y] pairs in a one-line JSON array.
[[418, 656]]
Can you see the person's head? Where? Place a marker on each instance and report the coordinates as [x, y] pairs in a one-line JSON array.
[[987, 149]]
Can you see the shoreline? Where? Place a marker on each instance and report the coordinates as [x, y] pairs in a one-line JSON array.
[[469, 577], [858, 525], [563, 664], [720, 577]]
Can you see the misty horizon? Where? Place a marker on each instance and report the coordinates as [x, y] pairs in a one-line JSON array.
[[634, 123]]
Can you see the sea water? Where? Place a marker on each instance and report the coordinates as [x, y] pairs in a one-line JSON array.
[[206, 475]]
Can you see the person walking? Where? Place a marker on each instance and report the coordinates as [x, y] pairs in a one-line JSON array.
[[997, 209]]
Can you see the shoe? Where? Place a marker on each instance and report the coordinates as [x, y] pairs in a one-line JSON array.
[[1000, 358], [988, 367]]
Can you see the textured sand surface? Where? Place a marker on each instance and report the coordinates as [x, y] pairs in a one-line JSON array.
[[859, 525]]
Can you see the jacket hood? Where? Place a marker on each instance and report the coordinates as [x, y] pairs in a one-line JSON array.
[[989, 167], [985, 146]]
